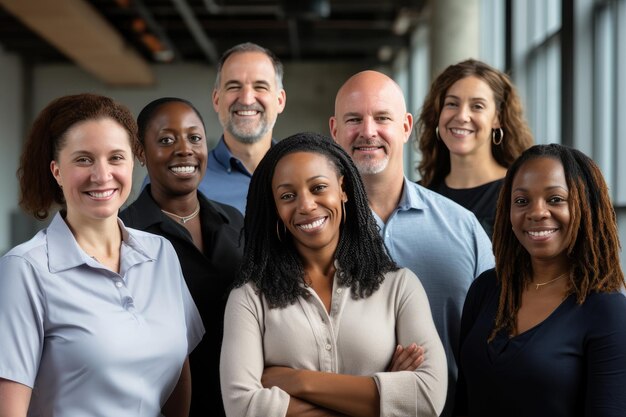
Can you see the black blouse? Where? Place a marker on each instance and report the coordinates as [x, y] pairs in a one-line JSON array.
[[481, 200]]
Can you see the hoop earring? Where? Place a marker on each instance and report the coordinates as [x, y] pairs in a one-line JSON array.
[[278, 230], [437, 133], [493, 136], [343, 212]]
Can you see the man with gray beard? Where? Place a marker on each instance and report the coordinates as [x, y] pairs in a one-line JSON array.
[[248, 97]]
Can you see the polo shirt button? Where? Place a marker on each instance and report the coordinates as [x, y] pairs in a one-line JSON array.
[[128, 303], [118, 284], [328, 346]]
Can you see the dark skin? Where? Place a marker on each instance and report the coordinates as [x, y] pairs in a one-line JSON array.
[[540, 219], [175, 154], [308, 193]]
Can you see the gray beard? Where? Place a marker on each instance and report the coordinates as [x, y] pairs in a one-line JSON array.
[[249, 136], [368, 167]]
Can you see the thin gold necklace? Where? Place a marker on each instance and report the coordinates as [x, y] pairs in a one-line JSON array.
[[541, 284], [184, 219]]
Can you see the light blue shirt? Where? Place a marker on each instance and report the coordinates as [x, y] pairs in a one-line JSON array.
[[90, 341], [446, 247], [226, 179]]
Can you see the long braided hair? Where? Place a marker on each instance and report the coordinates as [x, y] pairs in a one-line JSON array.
[[275, 266], [593, 240]]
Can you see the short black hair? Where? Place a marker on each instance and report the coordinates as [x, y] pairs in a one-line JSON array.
[[146, 114]]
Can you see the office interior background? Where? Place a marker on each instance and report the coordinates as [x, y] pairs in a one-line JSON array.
[[566, 57]]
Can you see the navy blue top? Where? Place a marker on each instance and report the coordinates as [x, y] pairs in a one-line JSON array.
[[571, 364]]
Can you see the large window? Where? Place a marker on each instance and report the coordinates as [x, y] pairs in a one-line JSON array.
[[536, 64], [609, 105]]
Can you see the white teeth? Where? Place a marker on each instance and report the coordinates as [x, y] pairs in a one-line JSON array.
[[460, 131], [542, 233], [103, 194], [183, 170], [247, 112], [310, 226]]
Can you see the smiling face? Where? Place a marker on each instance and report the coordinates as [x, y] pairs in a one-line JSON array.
[[308, 193], [94, 168], [248, 99], [467, 118], [540, 214], [175, 150], [371, 123]]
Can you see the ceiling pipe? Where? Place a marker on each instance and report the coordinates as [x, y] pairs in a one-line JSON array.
[[215, 8], [194, 26], [155, 28]]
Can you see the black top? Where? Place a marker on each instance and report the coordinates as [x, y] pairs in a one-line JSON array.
[[481, 200], [572, 364], [209, 276]]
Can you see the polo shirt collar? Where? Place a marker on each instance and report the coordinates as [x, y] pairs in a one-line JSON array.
[[410, 198], [226, 159], [64, 252], [222, 154]]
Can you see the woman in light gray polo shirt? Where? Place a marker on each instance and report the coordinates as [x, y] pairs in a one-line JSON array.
[[95, 318]]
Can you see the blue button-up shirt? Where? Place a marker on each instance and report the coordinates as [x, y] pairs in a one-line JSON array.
[[447, 248], [226, 179]]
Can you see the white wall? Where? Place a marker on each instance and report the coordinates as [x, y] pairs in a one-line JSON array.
[[310, 87]]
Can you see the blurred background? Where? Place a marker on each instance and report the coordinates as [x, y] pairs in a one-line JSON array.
[[566, 57]]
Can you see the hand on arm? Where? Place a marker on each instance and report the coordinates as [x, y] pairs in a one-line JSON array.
[[406, 358], [14, 398], [179, 402]]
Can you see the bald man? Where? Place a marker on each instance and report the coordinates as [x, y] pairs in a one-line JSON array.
[[440, 241]]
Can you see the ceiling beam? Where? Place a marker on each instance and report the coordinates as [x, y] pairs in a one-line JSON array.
[[78, 31]]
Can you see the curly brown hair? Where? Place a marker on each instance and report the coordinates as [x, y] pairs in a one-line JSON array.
[[38, 188], [593, 240], [435, 163]]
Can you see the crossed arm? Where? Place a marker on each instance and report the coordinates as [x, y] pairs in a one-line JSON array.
[[328, 394], [250, 388]]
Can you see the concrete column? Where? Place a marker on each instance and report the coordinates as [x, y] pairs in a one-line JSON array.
[[455, 32]]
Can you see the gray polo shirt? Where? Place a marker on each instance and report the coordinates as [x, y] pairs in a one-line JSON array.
[[90, 341]]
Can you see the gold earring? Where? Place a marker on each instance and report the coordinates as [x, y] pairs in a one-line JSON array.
[[437, 133], [343, 212]]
